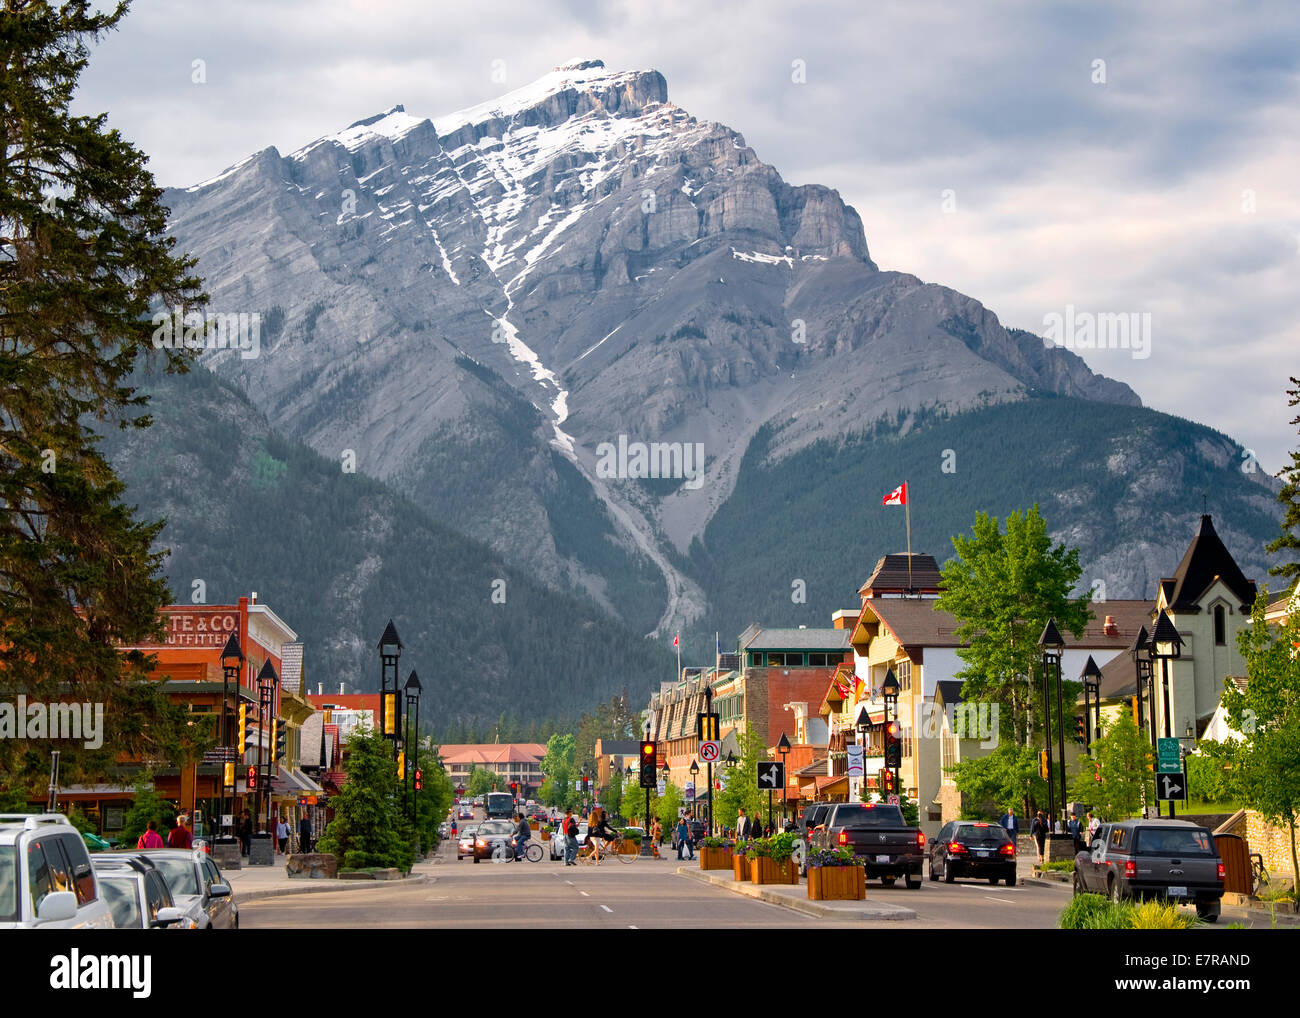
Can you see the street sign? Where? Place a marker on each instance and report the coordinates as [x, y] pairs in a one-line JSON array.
[[1171, 787], [894, 800], [855, 762], [709, 751], [771, 775], [1169, 759]]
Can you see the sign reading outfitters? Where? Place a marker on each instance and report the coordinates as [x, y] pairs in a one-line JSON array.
[[197, 627]]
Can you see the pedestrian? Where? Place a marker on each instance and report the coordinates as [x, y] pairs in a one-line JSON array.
[[179, 836], [1039, 831], [684, 840], [570, 829], [151, 838], [1093, 825], [1057, 828], [304, 834], [1011, 822], [656, 836], [742, 825], [1076, 833], [282, 834]]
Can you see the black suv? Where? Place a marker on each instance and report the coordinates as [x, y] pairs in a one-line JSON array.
[[1170, 859], [973, 848]]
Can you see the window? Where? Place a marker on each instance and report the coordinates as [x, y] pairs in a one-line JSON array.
[[39, 880], [83, 877], [820, 660], [1220, 626], [123, 900], [8, 884], [903, 672], [155, 894]]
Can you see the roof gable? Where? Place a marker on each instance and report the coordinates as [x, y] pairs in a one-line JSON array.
[[1206, 559]]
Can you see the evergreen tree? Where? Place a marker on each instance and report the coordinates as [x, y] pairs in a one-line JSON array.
[[1289, 496], [369, 828], [84, 259]]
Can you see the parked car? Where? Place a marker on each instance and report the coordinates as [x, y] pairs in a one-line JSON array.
[[1170, 859], [973, 848], [465, 842], [197, 886], [138, 895], [46, 880], [888, 846], [491, 833], [813, 816], [557, 840]]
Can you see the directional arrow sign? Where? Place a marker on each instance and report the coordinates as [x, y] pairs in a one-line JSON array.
[[1173, 786], [771, 774]]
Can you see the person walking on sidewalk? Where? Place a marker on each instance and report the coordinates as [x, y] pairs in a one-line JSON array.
[[282, 834], [151, 838], [684, 840], [1039, 831], [179, 836], [304, 834], [569, 827]]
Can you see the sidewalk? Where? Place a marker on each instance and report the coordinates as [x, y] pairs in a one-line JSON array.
[[796, 897], [253, 882]]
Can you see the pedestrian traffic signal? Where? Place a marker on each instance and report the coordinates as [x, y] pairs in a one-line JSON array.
[[1044, 771], [419, 782], [893, 745], [649, 775], [1080, 732], [252, 777], [243, 728], [887, 781]]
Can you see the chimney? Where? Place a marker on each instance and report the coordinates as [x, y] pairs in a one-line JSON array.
[[340, 689], [320, 689], [253, 598], [1111, 629]]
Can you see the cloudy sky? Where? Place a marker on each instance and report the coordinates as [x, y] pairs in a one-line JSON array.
[[1030, 155]]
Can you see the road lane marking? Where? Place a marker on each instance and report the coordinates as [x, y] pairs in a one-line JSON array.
[[631, 927], [584, 894], [569, 882], [1006, 900], [607, 909]]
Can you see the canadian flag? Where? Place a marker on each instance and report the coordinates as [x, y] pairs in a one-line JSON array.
[[674, 639], [896, 497]]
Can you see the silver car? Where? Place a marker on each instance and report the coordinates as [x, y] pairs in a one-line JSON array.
[[46, 880], [137, 895], [197, 886]]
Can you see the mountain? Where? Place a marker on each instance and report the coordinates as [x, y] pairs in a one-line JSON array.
[[483, 307]]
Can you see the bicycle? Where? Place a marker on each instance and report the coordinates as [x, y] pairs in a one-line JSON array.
[[503, 851], [1258, 873], [587, 855]]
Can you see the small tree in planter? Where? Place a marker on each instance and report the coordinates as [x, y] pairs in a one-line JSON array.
[[631, 843], [835, 874]]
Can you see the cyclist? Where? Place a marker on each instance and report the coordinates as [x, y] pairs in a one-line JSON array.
[[598, 827], [523, 834]]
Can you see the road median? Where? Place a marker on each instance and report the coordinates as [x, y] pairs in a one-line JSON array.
[[796, 897]]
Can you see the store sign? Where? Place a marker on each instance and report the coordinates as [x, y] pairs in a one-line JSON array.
[[197, 627]]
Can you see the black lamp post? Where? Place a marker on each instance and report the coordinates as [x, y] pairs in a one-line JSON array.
[[413, 690], [1166, 645], [232, 663], [1091, 694], [889, 693], [783, 747], [390, 649], [1140, 652], [694, 771], [863, 725], [1051, 646], [267, 680]]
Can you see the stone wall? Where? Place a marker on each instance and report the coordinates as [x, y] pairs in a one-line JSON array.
[[1273, 843]]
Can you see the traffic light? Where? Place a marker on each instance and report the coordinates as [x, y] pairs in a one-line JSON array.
[[281, 741], [887, 782], [243, 728], [893, 746], [1080, 733], [401, 765], [275, 739], [649, 775], [252, 777], [419, 779], [1043, 771], [228, 777]]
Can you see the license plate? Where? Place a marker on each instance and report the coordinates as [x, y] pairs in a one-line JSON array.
[[982, 854], [1178, 892], [882, 858]]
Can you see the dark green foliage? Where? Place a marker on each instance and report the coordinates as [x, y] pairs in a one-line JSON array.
[[1289, 540], [689, 332], [369, 828], [86, 262], [147, 805]]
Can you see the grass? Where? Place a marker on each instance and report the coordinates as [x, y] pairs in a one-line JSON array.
[[1279, 891], [1095, 912], [1059, 866]]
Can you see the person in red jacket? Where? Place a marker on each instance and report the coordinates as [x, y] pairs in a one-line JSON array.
[[151, 838], [180, 836]]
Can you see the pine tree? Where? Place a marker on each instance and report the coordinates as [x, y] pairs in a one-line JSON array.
[[83, 260], [1289, 496]]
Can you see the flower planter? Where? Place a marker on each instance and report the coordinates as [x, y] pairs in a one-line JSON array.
[[715, 858], [740, 867], [546, 835], [626, 847], [763, 870], [831, 883]]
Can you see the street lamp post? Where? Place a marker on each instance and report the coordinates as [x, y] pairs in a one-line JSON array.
[[232, 663], [1091, 696], [267, 680], [1051, 646], [1166, 645], [889, 693], [390, 650], [694, 770], [413, 690], [783, 747]]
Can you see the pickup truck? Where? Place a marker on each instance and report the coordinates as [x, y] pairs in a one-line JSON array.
[[878, 836], [1170, 859]]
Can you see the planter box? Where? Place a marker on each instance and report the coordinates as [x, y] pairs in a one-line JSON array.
[[768, 871], [626, 847], [546, 835], [837, 883], [715, 858], [740, 867]]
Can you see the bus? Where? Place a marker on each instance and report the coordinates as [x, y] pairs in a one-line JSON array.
[[499, 804]]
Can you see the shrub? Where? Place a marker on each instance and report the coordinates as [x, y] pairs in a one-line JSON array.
[[1094, 912], [1060, 866], [1158, 915], [832, 857], [778, 847], [715, 842]]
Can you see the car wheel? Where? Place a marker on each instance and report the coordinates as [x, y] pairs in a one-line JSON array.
[[948, 875], [887, 881], [1078, 885], [1115, 894], [1208, 912], [993, 880], [934, 873], [912, 882], [1011, 880]]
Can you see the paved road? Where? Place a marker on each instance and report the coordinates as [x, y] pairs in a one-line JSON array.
[[646, 895]]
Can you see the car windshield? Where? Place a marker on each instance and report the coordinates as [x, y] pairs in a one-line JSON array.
[[495, 827], [867, 816], [8, 884], [1173, 841], [179, 873], [982, 834], [123, 901]]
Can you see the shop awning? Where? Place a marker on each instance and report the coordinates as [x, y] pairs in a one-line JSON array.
[[291, 781]]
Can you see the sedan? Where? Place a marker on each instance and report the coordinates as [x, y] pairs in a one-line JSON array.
[[197, 886], [491, 833], [970, 848], [465, 813], [465, 842]]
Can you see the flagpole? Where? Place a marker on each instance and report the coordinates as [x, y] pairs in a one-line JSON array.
[[907, 505], [679, 657]]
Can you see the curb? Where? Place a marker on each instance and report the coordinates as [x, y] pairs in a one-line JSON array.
[[304, 888], [866, 909]]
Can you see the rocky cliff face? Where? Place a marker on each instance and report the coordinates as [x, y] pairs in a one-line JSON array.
[[460, 301]]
